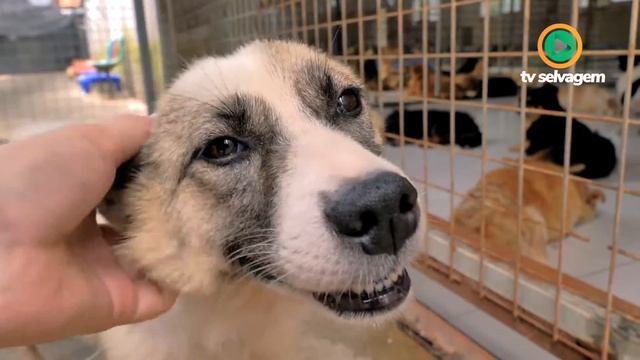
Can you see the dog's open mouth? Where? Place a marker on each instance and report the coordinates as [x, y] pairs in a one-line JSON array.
[[385, 295]]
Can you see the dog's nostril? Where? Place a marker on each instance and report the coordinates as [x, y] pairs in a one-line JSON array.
[[406, 203], [369, 220]]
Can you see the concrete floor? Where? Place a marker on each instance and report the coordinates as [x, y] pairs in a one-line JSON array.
[[46, 98]]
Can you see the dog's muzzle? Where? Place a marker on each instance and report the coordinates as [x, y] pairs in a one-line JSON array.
[[378, 214]]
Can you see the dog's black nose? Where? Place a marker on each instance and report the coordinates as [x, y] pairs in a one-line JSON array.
[[380, 212]]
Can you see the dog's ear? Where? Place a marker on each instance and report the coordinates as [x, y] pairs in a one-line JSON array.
[[574, 169], [595, 196], [622, 62], [112, 206], [126, 172]]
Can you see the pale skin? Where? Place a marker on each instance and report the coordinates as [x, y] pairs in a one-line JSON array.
[[58, 274]]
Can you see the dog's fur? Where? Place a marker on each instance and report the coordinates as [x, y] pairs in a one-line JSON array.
[[621, 83], [546, 135], [594, 153], [541, 210], [245, 244], [390, 78], [497, 85], [467, 133], [468, 82], [378, 124], [465, 85], [587, 99]]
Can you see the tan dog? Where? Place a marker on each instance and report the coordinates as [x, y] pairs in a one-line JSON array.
[[587, 99], [390, 76], [465, 84], [260, 196], [590, 99], [541, 211]]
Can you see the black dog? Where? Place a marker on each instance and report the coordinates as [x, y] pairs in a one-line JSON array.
[[467, 133], [544, 97], [547, 133], [499, 86], [621, 83]]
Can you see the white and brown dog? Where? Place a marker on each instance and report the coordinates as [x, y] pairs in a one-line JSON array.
[[260, 196]]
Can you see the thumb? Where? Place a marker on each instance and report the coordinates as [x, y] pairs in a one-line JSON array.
[[141, 299], [151, 301]]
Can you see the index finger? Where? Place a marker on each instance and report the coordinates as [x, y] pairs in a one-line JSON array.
[[121, 138], [54, 180]]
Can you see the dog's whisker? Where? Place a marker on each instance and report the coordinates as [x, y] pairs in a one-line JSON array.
[[256, 271], [190, 98], [282, 277], [231, 261], [253, 240], [248, 232], [250, 251], [235, 239], [251, 265]]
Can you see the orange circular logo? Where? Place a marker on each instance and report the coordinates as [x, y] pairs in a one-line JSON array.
[[560, 46]]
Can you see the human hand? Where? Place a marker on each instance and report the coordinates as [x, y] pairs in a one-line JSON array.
[[58, 274]]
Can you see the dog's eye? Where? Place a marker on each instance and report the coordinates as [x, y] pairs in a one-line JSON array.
[[349, 102], [223, 149]]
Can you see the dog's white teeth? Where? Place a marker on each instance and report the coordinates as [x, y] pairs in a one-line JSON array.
[[369, 288], [388, 283], [379, 286], [394, 276], [357, 289]]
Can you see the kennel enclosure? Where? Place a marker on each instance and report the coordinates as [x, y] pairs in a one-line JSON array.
[[565, 304]]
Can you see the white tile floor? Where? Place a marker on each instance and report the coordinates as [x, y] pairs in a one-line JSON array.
[[495, 337], [588, 261]]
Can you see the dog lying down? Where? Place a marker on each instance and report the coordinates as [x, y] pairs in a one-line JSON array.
[[260, 196], [593, 154], [467, 133], [541, 211]]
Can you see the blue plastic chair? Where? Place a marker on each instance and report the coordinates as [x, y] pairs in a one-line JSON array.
[[114, 56], [87, 80]]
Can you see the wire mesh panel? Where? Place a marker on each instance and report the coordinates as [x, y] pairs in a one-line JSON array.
[[530, 173], [67, 61]]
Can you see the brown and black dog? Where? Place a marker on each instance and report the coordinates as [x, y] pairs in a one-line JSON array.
[[465, 84]]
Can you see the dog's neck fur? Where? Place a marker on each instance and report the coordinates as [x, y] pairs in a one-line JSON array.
[[228, 324]]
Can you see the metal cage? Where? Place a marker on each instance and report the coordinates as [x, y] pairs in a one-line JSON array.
[[569, 314]]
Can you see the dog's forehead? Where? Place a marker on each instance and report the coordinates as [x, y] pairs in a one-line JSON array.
[[270, 70]]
